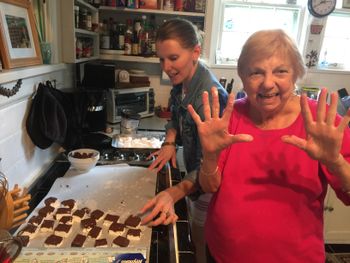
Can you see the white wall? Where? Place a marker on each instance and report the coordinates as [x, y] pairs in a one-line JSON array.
[[22, 162]]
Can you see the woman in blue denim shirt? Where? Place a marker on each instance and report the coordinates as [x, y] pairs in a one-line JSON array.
[[178, 47]]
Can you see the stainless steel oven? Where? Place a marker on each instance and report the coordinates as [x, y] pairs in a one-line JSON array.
[[139, 100]]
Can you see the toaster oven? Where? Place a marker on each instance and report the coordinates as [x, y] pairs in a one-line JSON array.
[[140, 100]]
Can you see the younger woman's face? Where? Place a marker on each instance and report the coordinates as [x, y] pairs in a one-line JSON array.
[[177, 62]]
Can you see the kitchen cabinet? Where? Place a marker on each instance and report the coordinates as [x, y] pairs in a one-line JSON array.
[[336, 220], [79, 44], [71, 34], [155, 15]]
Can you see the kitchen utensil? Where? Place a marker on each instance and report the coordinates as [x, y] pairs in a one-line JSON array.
[[10, 247], [13, 207]]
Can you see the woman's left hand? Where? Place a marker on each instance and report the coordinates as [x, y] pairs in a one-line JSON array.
[[323, 138]]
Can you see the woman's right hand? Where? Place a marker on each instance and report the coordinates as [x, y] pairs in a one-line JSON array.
[[213, 131], [166, 153], [161, 210]]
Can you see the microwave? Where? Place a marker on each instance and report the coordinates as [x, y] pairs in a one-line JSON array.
[[140, 100]]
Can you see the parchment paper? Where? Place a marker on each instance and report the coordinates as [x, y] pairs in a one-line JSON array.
[[117, 189]]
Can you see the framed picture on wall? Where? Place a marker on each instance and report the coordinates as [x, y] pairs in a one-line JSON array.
[[19, 43]]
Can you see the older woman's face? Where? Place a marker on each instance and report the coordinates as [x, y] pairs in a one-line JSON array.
[[269, 83], [177, 62]]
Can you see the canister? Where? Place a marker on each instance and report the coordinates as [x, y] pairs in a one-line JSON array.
[[130, 121]]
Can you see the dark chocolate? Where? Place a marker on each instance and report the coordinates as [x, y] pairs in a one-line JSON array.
[[134, 232], [111, 218], [36, 220], [79, 240], [87, 210], [100, 242], [95, 232], [53, 240], [121, 241], [88, 223], [48, 224], [50, 200], [96, 214], [70, 203], [63, 228], [66, 219], [63, 211], [117, 227], [133, 221], [79, 213], [29, 228], [46, 210]]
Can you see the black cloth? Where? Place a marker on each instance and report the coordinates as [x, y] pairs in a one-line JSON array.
[[34, 120], [55, 116]]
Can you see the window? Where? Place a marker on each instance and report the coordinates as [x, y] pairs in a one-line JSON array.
[[241, 19], [335, 51]]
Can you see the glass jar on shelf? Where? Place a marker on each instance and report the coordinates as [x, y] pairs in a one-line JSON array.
[[78, 48]]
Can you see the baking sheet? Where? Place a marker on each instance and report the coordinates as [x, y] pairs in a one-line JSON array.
[[117, 189], [135, 142]]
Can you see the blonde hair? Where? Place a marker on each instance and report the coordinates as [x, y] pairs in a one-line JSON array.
[[264, 44]]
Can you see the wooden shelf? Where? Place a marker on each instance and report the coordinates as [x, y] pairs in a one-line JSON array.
[[87, 5], [150, 11], [85, 32], [115, 55]]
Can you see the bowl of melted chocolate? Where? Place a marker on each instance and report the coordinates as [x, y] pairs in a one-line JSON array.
[[83, 159]]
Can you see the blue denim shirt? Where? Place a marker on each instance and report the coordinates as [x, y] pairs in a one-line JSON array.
[[182, 121]]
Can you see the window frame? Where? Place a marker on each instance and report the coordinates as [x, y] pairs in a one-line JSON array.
[[341, 11], [218, 23]]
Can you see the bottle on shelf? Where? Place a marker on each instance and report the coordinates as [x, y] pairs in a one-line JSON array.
[[89, 21], [178, 6], [105, 37], [168, 5], [142, 36], [135, 43], [113, 34], [128, 37], [132, 4], [121, 3], [83, 18], [121, 35]]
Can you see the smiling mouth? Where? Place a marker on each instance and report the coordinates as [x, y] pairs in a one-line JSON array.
[[267, 96], [172, 75]]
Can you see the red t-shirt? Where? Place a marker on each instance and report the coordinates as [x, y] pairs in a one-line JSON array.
[[269, 207]]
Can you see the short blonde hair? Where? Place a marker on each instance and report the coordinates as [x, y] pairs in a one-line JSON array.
[[264, 44]]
